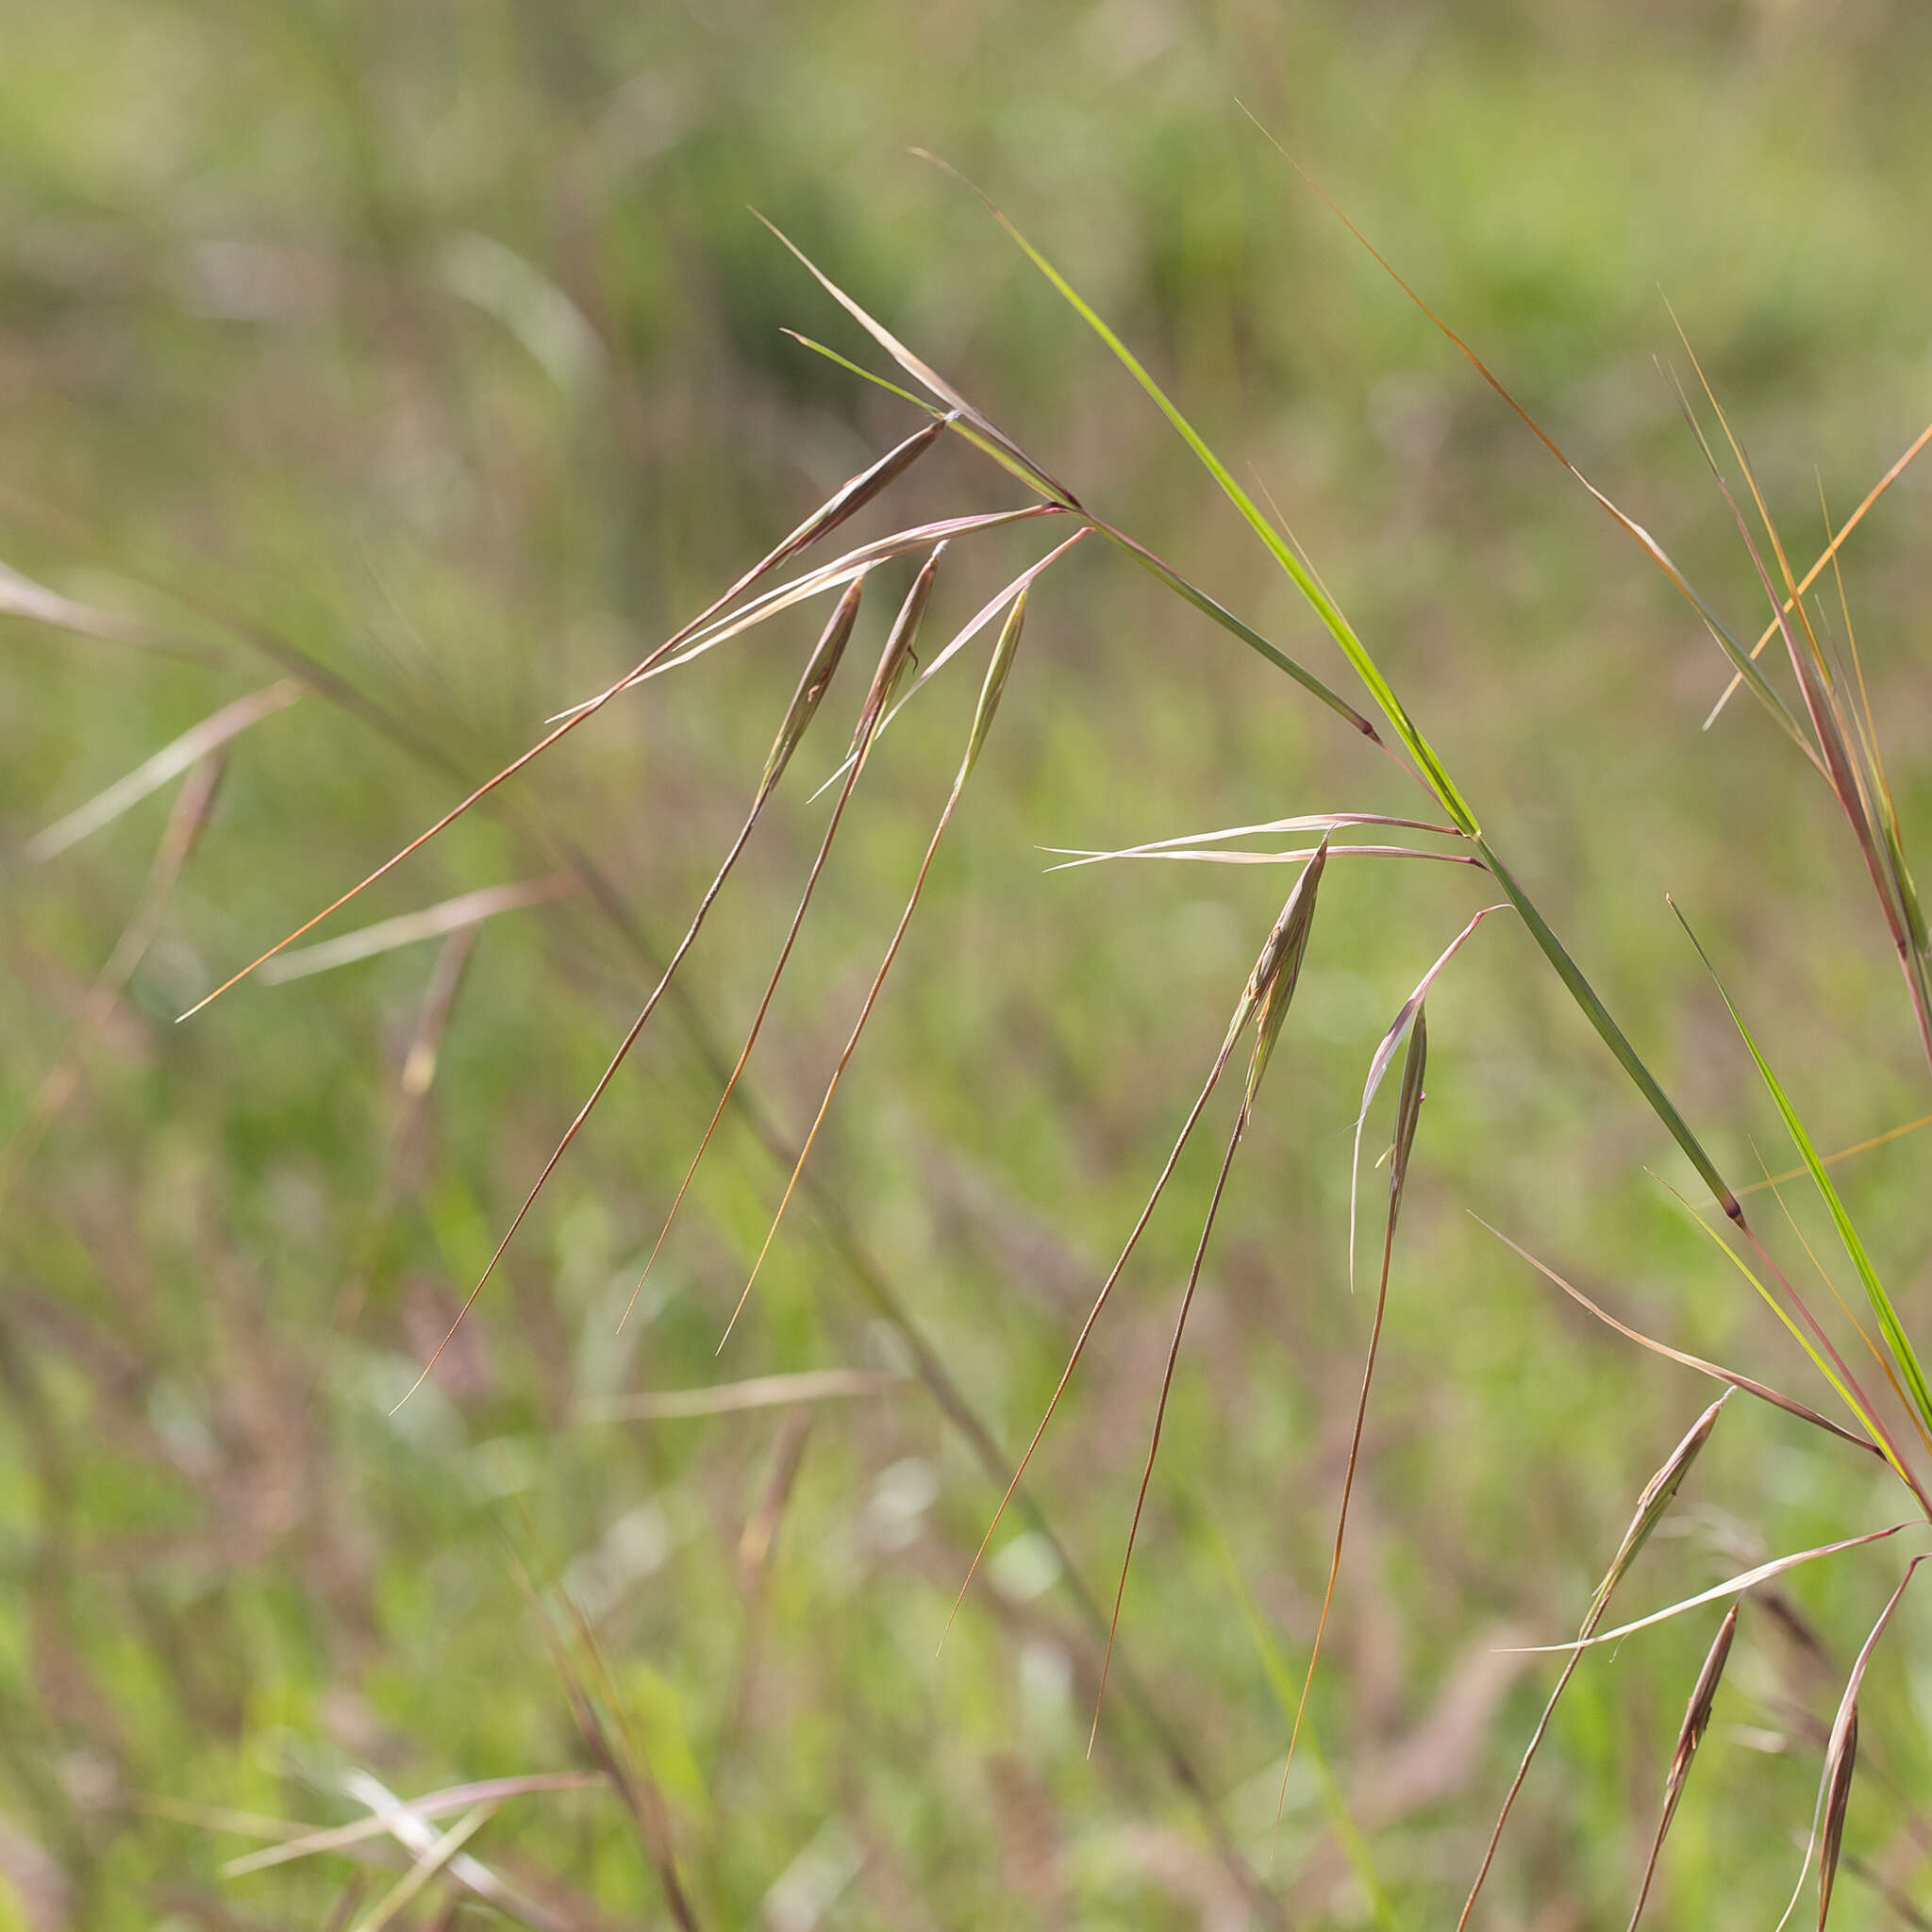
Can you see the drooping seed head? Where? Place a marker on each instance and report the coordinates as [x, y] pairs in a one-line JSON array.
[[1654, 1500], [996, 684], [1271, 986], [819, 668], [1409, 1109], [860, 491], [1840, 1758]]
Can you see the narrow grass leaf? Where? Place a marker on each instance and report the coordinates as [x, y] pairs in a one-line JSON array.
[[398, 1896], [1690, 1736], [1307, 821], [1715, 1370], [1298, 573], [1651, 1504], [1889, 1323], [1300, 855]]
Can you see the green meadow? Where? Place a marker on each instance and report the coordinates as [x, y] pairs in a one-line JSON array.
[[377, 383]]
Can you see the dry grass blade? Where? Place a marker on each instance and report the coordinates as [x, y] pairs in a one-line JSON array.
[[1841, 1751], [433, 1805], [1690, 1735], [1269, 993], [1076, 857], [1655, 1498], [1732, 1585], [169, 762], [812, 685], [842, 503], [1243, 1011], [1878, 1141], [433, 922], [1408, 1113], [1307, 821], [433, 1860], [991, 690], [890, 668], [1384, 1056], [1829, 555], [1715, 1370], [734, 1398]]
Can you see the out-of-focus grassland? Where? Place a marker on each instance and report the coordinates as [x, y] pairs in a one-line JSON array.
[[433, 343]]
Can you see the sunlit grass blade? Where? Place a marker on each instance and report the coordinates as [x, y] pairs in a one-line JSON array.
[[21, 597], [892, 665], [1278, 547], [1245, 1010], [1408, 1111], [169, 762], [1690, 1736], [1651, 1504], [1268, 996], [1889, 1326], [822, 521], [991, 691], [1385, 1054], [1612, 1035], [1732, 1585], [812, 684], [1715, 1370]]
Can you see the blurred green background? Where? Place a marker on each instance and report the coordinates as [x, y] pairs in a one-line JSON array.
[[428, 354]]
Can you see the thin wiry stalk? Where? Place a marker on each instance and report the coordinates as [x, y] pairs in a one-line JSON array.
[[1408, 1111], [1174, 1352], [996, 673], [890, 667], [818, 674], [1651, 1505]]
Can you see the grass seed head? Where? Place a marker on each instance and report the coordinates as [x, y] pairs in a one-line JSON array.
[[1409, 1107], [898, 653], [1656, 1499], [1840, 1759], [990, 691], [1271, 986], [819, 668]]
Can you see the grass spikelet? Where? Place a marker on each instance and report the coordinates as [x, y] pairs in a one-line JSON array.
[[890, 668], [843, 503], [1269, 992], [803, 706], [1244, 1009], [1651, 1504], [1408, 1113], [1690, 1736], [997, 671]]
